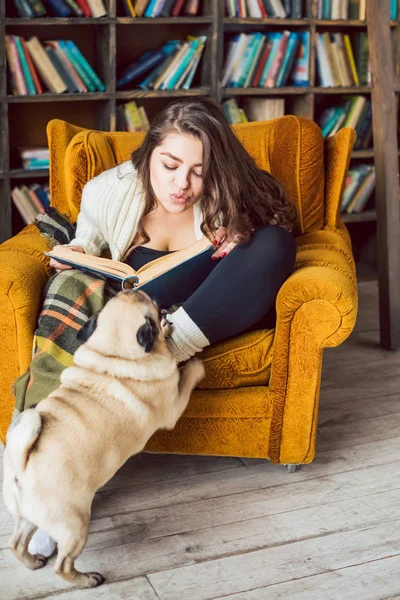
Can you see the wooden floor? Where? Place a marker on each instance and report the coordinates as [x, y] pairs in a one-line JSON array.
[[193, 528]]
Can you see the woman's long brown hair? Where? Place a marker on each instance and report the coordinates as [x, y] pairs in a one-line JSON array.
[[236, 193]]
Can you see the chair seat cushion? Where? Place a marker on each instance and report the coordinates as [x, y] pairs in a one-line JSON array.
[[244, 360]]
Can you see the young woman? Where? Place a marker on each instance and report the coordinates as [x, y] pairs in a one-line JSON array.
[[190, 177]]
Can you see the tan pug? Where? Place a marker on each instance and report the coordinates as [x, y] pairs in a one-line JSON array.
[[124, 387]]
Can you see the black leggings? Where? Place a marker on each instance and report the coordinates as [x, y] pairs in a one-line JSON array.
[[238, 292]]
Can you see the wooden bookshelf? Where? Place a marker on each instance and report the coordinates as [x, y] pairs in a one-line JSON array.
[[110, 43]]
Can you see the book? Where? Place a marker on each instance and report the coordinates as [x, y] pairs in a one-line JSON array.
[[59, 8], [184, 268], [97, 8], [24, 66], [34, 75], [146, 61], [264, 109], [38, 8], [45, 67], [18, 83], [24, 9], [140, 6]]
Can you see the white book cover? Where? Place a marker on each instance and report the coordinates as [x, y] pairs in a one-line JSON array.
[[235, 53], [323, 64], [254, 9]]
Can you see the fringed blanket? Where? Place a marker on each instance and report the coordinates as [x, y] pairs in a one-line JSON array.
[[71, 297]]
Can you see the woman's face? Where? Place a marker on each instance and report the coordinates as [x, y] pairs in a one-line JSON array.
[[176, 174]]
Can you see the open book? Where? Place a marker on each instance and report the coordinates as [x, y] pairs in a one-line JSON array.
[[186, 267]]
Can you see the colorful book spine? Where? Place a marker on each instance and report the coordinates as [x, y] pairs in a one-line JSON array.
[[30, 85], [278, 59], [150, 8], [189, 80], [38, 8], [74, 6], [97, 8], [24, 9], [300, 76], [19, 84], [170, 48], [168, 6], [187, 59], [288, 59], [59, 8], [275, 39], [162, 81], [140, 7], [68, 65], [77, 66], [177, 8], [38, 85], [141, 66], [255, 60], [350, 57], [85, 8], [85, 66], [261, 64]]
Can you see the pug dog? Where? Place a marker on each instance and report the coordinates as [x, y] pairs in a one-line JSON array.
[[124, 386]]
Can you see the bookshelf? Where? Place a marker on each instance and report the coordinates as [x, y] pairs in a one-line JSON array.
[[111, 42]]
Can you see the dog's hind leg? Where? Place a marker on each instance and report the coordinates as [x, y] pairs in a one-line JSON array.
[[71, 541], [19, 542]]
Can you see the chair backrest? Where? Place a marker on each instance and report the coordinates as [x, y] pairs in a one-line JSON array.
[[290, 148]]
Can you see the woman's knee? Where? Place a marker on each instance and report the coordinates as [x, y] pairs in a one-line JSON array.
[[274, 242]]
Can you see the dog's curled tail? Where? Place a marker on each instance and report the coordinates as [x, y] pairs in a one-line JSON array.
[[21, 436]]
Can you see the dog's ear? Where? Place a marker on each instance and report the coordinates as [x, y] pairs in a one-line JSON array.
[[88, 328], [146, 334]]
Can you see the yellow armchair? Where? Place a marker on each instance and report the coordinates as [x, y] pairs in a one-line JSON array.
[[261, 391]]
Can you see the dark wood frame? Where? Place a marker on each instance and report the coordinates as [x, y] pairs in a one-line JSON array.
[[384, 110]]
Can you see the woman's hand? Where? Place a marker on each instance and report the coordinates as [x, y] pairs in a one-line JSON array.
[[54, 264], [223, 245]]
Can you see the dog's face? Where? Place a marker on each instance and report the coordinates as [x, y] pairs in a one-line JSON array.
[[127, 327]]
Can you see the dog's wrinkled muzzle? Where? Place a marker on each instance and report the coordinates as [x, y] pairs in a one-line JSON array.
[[147, 334]]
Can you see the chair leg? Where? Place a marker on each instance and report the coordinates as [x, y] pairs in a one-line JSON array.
[[291, 468]]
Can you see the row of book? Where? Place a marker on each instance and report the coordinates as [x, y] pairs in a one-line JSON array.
[[341, 61], [359, 187], [34, 158], [30, 9], [161, 8], [31, 200], [57, 65], [350, 9], [356, 112], [131, 117], [263, 9], [254, 109], [171, 67], [267, 60]]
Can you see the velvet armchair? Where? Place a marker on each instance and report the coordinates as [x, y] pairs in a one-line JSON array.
[[261, 391]]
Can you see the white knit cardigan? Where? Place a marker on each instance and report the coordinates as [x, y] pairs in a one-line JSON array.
[[111, 208]]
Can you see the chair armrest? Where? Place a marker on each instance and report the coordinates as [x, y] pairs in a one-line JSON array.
[[24, 271], [316, 309]]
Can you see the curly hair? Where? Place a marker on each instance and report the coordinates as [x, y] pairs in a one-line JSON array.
[[237, 194]]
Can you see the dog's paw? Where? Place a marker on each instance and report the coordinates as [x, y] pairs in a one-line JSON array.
[[166, 327], [40, 561], [195, 369], [95, 579]]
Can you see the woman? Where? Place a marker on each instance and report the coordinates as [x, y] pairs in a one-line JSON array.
[[190, 177]]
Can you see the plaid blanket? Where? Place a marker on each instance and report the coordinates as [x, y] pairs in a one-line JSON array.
[[70, 298]]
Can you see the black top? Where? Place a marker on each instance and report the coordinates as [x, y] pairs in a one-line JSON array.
[[141, 255]]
